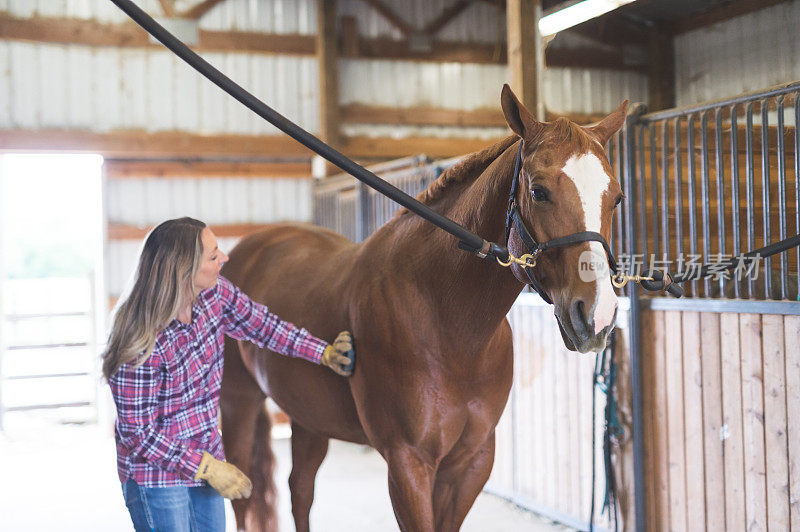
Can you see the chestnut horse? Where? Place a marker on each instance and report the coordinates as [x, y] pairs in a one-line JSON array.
[[433, 348]]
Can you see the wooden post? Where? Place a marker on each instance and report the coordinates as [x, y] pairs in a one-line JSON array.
[[526, 53], [661, 69], [328, 61]]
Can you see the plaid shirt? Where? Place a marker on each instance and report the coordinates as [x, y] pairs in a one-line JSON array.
[[167, 408]]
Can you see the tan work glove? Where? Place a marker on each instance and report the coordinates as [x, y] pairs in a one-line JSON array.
[[224, 477], [334, 358]]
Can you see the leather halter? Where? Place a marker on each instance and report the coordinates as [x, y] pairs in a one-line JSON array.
[[534, 248]]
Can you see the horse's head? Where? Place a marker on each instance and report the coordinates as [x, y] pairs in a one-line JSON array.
[[566, 186]]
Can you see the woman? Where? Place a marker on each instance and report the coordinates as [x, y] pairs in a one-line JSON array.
[[164, 366]]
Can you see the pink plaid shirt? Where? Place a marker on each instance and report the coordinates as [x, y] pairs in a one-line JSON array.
[[167, 408]]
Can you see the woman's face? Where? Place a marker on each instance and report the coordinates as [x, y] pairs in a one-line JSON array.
[[211, 263]]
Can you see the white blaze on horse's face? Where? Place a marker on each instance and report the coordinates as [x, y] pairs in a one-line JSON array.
[[592, 182]]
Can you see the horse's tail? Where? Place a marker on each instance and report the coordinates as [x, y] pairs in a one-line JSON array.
[[246, 435]]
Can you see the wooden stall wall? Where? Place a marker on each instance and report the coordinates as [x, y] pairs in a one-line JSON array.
[[722, 448]]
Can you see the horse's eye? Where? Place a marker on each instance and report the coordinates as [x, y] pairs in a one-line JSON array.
[[619, 200], [540, 194]]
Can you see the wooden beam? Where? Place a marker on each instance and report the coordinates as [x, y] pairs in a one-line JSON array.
[[182, 145], [393, 18], [142, 144], [525, 59], [328, 68], [137, 169], [435, 147], [446, 16], [133, 232], [723, 13], [661, 67], [428, 116], [199, 10], [93, 33], [437, 116], [168, 6]]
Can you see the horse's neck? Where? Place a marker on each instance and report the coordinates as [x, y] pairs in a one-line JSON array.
[[460, 279]]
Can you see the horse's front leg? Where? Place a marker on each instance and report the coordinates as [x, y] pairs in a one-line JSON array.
[[458, 483], [410, 488]]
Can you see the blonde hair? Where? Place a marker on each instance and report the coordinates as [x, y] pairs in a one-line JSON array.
[[163, 281]]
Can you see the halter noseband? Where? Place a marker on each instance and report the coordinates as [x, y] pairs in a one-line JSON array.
[[534, 248]]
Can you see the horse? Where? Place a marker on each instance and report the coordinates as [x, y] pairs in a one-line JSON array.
[[434, 359]]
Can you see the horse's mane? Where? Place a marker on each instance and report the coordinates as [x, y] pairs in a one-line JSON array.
[[466, 169]]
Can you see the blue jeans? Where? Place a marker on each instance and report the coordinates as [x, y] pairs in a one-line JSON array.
[[174, 509]]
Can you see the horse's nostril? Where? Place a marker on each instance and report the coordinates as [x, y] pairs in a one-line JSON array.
[[579, 321]]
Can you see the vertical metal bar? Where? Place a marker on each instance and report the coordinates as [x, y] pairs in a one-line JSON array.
[[692, 198], [642, 181], [361, 213], [797, 183], [737, 243], [720, 162], [705, 197], [782, 200], [665, 190], [634, 340], [765, 193], [655, 208], [749, 168], [615, 155], [678, 191]]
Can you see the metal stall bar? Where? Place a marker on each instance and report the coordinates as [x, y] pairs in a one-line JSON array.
[[765, 194], [720, 163], [665, 191], [737, 243], [750, 169], [705, 198], [678, 190], [797, 181], [654, 188], [782, 200], [642, 211], [634, 338], [692, 199]]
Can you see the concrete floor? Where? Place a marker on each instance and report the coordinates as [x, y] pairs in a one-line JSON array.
[[58, 476]]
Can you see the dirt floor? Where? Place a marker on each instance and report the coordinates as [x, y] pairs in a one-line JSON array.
[[61, 476]]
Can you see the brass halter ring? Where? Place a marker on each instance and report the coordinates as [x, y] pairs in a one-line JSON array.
[[619, 281], [527, 260]]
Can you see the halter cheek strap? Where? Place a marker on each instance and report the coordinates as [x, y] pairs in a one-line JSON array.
[[534, 248]]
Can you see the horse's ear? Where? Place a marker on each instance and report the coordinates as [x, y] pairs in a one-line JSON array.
[[519, 119], [610, 124]]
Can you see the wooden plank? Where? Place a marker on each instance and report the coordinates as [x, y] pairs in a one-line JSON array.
[[446, 16], [561, 431], [92, 33], [390, 16], [712, 421], [776, 446], [753, 422], [524, 50], [328, 68], [132, 232], [141, 144], [655, 420], [732, 437], [137, 169], [693, 420], [723, 13], [676, 441], [182, 145], [199, 10], [661, 69], [791, 330]]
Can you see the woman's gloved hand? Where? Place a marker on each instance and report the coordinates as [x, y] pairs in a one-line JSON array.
[[334, 358], [226, 478]]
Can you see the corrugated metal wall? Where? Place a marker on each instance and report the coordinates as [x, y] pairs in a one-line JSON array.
[[743, 54], [219, 201]]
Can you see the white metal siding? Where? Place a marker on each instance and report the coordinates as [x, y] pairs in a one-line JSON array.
[[217, 201], [746, 53], [102, 89]]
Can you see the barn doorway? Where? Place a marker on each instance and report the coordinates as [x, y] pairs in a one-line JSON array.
[[51, 252]]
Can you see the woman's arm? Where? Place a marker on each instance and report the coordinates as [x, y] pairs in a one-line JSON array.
[[135, 391], [244, 319]]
